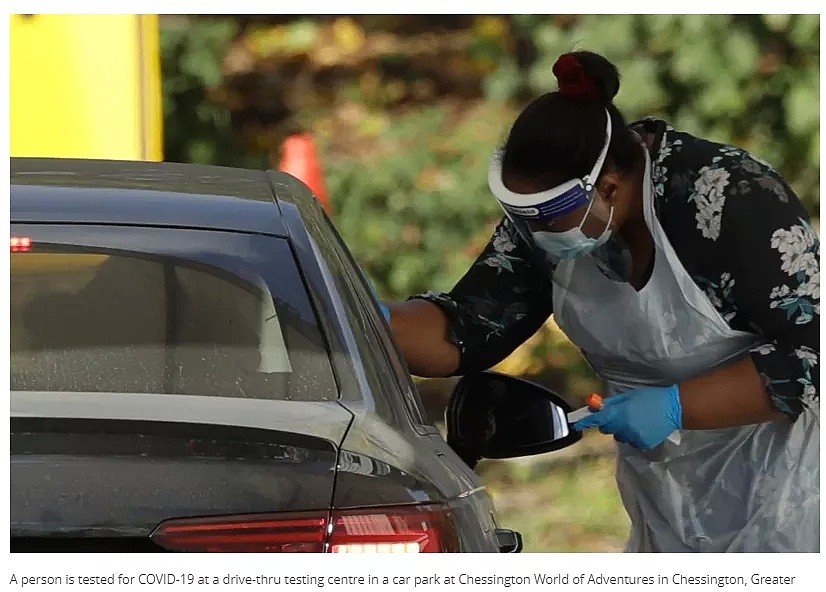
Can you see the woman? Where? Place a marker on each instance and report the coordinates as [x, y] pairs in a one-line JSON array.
[[688, 275]]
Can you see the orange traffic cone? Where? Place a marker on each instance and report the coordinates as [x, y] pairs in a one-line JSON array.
[[299, 158]]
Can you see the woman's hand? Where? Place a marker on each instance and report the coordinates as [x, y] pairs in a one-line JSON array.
[[642, 417]]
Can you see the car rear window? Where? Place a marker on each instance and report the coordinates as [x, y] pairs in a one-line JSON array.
[[218, 315]]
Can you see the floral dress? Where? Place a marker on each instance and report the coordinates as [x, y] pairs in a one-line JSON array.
[[740, 232]]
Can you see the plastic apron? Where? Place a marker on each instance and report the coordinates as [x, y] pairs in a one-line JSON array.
[[753, 488]]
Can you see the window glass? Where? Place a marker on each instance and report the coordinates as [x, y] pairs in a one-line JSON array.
[[107, 320]]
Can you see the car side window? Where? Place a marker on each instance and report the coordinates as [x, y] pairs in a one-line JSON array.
[[382, 344]]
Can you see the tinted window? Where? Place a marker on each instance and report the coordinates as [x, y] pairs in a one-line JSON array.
[[217, 314]]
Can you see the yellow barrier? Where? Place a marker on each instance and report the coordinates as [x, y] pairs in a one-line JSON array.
[[86, 86]]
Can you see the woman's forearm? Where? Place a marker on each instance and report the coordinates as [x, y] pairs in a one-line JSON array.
[[422, 331], [728, 396]]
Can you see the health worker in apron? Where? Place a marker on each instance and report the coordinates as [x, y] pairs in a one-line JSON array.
[[711, 373]]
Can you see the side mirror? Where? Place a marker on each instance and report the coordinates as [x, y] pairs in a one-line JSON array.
[[492, 415]]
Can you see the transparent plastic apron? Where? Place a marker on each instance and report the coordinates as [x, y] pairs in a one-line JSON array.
[[752, 488]]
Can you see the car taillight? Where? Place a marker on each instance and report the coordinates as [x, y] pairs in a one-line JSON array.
[[395, 529], [303, 532], [20, 243], [403, 529]]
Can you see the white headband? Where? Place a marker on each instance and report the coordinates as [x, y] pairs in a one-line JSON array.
[[555, 201]]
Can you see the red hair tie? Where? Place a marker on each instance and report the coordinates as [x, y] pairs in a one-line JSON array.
[[573, 81]]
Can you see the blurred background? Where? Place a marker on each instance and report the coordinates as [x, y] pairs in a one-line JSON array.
[[401, 114]]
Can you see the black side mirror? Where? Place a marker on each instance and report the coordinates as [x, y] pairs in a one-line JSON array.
[[492, 415]]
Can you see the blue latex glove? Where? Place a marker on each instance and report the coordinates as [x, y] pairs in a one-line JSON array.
[[642, 417], [385, 310]]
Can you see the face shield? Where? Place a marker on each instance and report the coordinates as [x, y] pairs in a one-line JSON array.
[[567, 221]]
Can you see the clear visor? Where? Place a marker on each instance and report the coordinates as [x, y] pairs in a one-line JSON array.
[[591, 218], [586, 231]]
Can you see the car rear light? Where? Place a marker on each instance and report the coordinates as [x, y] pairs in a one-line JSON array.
[[394, 529], [403, 529], [288, 533], [20, 243]]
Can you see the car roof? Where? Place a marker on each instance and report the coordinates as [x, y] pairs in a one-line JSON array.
[[146, 193]]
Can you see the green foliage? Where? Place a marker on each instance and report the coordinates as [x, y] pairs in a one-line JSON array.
[[197, 129], [574, 503], [407, 120], [410, 209]]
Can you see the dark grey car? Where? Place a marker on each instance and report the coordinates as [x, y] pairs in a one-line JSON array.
[[198, 364]]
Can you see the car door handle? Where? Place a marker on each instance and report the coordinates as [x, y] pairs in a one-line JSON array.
[[510, 541]]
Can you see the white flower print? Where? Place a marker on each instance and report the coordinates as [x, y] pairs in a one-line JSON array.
[[765, 349], [780, 291], [794, 246], [799, 250], [658, 177], [809, 359], [659, 173], [498, 262], [502, 243], [809, 265], [708, 222], [711, 183], [804, 353], [730, 151], [726, 280], [810, 288], [709, 196]]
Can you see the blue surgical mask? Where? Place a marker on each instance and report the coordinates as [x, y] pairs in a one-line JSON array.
[[572, 243]]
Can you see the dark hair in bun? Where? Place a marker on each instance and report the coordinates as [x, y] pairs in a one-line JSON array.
[[560, 134], [587, 76]]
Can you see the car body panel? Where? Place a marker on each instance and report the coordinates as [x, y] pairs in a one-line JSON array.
[[142, 193], [108, 478], [327, 421]]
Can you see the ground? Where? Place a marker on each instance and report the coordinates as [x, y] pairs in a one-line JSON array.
[[564, 501]]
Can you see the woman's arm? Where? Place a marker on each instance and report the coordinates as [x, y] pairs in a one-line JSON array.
[[728, 396], [422, 330], [497, 305]]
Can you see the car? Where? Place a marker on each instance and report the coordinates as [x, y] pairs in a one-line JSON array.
[[198, 364]]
